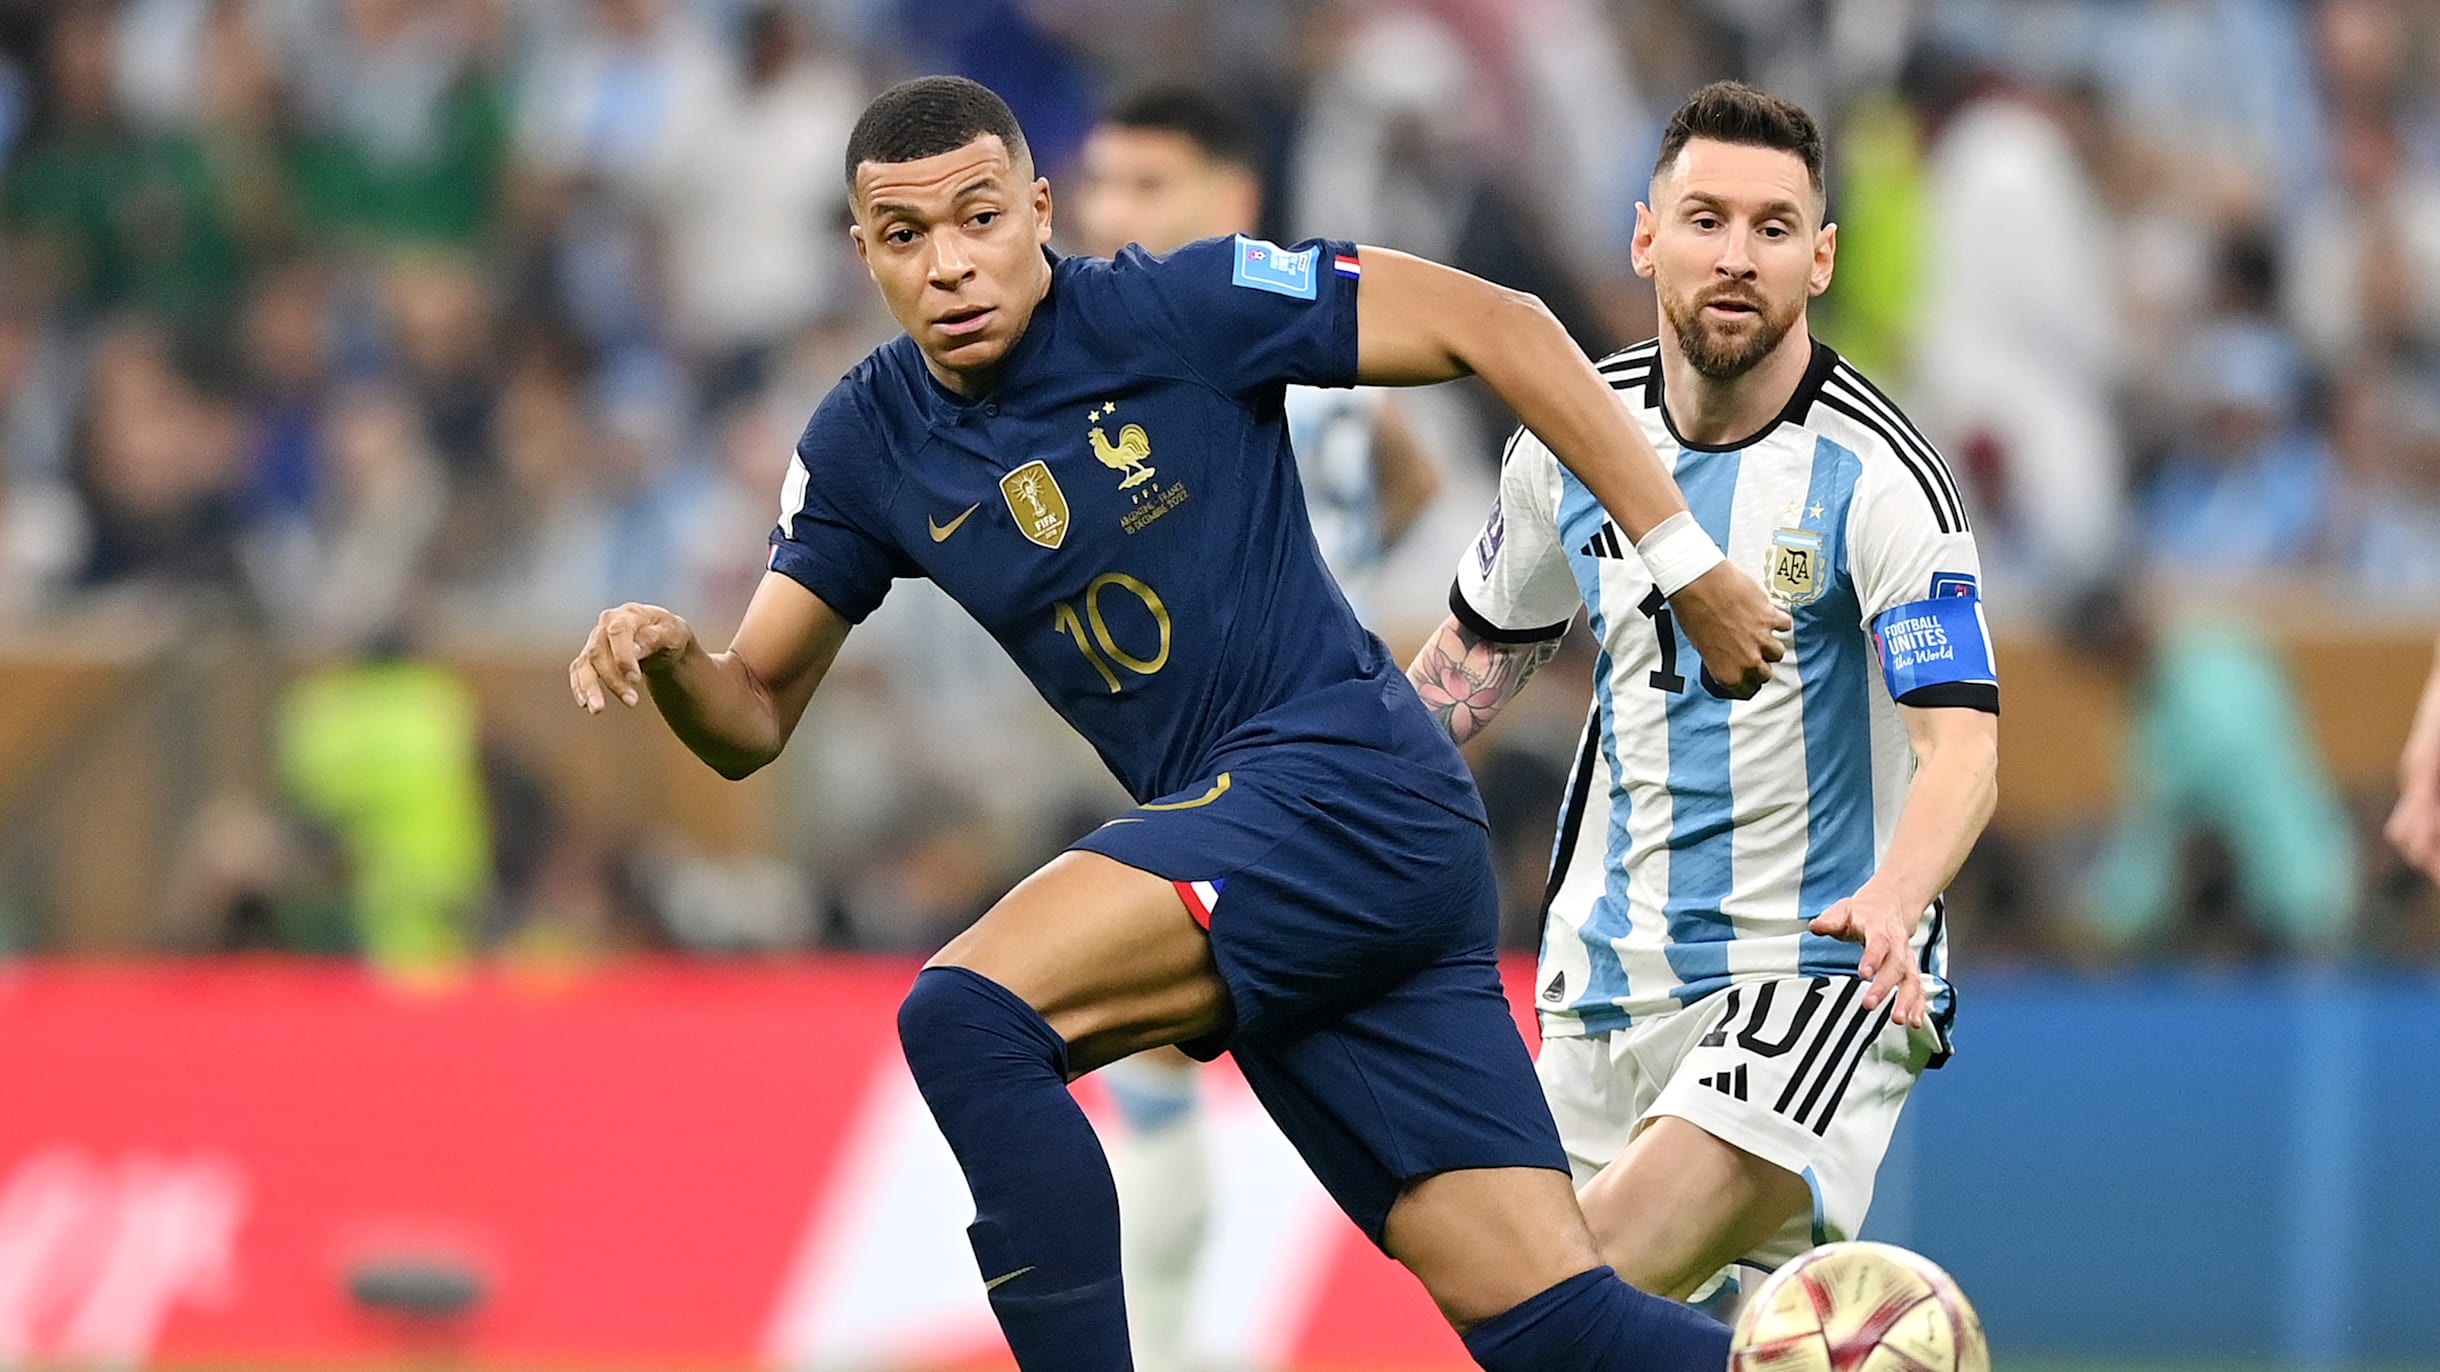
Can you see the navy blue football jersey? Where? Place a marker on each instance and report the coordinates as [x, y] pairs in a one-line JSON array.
[[1122, 513]]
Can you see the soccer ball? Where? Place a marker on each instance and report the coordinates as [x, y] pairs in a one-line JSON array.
[[1859, 1307]]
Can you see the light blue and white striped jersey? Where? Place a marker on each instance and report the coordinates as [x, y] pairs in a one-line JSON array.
[[1700, 834]]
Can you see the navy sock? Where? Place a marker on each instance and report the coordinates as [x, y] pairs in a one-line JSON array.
[[1045, 1229], [1593, 1322]]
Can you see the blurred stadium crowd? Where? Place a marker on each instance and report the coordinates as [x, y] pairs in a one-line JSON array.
[[370, 339]]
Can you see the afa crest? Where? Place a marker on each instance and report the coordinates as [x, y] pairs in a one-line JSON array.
[[1795, 575], [1040, 507]]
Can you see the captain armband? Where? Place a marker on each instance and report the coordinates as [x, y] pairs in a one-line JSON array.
[[1937, 652]]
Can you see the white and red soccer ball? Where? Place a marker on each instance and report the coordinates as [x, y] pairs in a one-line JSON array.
[[1859, 1307]]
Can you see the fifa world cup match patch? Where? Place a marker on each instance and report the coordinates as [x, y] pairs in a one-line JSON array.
[[1953, 584], [1938, 642], [1269, 267]]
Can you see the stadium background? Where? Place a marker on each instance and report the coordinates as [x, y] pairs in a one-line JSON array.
[[354, 353]]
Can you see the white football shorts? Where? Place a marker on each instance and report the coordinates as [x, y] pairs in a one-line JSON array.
[[1796, 1072]]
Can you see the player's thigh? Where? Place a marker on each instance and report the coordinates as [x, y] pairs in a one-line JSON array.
[[1681, 1203], [1485, 1240], [1105, 952]]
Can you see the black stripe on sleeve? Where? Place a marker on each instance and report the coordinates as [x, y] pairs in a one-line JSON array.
[[1902, 436], [1489, 632], [1940, 466], [1954, 695], [1940, 509], [1571, 816]]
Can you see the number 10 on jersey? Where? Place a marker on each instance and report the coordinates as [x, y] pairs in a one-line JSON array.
[[1065, 618]]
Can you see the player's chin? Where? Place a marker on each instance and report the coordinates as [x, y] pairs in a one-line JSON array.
[[968, 352]]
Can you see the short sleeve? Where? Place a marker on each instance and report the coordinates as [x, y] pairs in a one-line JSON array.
[[1918, 584], [1513, 582], [1245, 314], [830, 538]]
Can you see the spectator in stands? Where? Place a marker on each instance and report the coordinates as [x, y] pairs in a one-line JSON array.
[[2219, 753]]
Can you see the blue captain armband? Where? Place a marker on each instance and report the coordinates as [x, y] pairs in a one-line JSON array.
[[1937, 652]]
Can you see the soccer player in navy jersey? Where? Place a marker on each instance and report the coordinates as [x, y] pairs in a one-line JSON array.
[[1090, 456]]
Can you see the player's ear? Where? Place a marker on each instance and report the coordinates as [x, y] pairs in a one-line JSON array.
[[1639, 249], [1042, 211], [1825, 259]]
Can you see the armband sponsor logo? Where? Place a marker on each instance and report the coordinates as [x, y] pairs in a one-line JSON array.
[[1920, 638], [1269, 267]]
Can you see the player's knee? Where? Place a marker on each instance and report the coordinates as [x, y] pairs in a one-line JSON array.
[[954, 1021]]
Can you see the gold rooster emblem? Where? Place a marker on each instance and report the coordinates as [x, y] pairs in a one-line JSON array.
[[1132, 453]]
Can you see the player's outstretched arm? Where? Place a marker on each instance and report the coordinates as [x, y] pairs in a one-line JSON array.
[[1419, 322], [2414, 826], [1466, 679], [1950, 800], [735, 710]]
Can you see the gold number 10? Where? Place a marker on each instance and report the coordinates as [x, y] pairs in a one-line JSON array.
[[1069, 622]]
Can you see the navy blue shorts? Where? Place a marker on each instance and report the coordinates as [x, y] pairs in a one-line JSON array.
[[1355, 924]]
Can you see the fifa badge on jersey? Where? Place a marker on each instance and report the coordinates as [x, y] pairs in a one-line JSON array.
[[1269, 267], [1040, 507], [1495, 532], [1795, 575]]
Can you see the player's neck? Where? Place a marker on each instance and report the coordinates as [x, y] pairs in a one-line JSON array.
[[1708, 411]]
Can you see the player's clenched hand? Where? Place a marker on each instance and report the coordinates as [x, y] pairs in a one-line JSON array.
[[1886, 928], [1734, 626], [625, 643]]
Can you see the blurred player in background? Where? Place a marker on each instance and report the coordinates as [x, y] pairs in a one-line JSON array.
[[2414, 826], [1725, 1062], [1090, 456], [1164, 167]]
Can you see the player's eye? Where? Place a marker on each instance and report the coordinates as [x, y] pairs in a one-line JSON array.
[[986, 219], [1774, 231], [899, 237], [1706, 221]]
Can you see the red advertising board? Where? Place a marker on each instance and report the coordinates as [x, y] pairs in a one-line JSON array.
[[656, 1166]]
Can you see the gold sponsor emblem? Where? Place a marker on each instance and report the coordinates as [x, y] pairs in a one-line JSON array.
[[1035, 499], [1795, 575]]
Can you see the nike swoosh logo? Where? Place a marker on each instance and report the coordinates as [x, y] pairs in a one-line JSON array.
[[1006, 1277], [1108, 822], [941, 532]]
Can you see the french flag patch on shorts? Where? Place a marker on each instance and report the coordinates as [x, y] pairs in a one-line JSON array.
[[1201, 897]]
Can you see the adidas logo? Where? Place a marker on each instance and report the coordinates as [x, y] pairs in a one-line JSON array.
[[1605, 543], [1556, 992], [1731, 1084]]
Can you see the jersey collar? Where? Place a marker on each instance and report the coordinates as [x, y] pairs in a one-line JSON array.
[[1800, 401]]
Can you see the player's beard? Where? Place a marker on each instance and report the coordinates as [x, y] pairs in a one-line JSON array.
[[1716, 354]]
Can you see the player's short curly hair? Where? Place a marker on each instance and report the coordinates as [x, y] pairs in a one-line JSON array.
[[928, 116], [1733, 112]]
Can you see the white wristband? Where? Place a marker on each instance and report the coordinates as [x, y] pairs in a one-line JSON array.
[[1676, 551]]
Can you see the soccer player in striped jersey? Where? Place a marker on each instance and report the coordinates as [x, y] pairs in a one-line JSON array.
[[1166, 166], [1744, 960]]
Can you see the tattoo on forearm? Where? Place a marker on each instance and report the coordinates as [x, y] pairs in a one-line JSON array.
[[1465, 679]]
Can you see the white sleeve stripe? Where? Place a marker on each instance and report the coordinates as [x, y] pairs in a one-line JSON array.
[[1913, 465], [792, 493], [1865, 393]]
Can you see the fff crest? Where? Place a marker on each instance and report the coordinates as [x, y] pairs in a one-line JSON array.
[[1795, 575], [1040, 507]]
